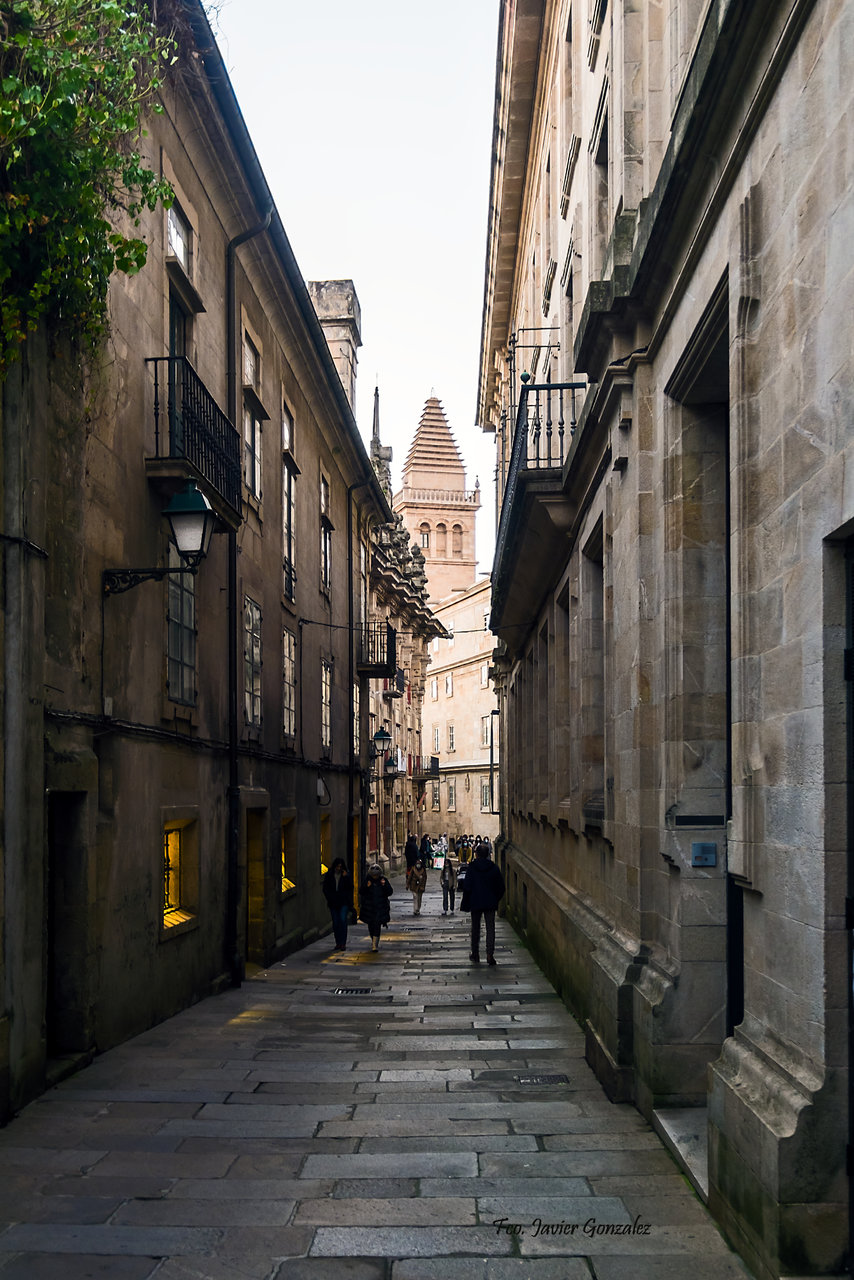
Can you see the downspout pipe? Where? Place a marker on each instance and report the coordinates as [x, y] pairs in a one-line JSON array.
[[235, 962]]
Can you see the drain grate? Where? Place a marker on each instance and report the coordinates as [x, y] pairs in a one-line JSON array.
[[352, 991], [542, 1079]]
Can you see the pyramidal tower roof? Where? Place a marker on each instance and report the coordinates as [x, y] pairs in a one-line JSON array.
[[434, 460]]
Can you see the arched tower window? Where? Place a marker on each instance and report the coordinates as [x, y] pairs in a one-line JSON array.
[[457, 540], [441, 540], [425, 537]]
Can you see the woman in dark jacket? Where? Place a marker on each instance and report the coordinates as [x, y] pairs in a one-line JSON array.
[[373, 907], [338, 892]]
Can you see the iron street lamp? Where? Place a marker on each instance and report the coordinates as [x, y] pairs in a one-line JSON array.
[[192, 521]]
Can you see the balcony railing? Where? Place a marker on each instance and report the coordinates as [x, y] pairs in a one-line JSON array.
[[189, 424], [424, 767], [546, 418], [377, 650], [545, 425]]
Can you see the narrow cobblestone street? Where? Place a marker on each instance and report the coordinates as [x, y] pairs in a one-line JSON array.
[[399, 1116]]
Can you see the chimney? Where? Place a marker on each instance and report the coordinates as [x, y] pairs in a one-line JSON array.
[[340, 315]]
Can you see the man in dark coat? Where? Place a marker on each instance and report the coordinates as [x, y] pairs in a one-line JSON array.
[[410, 851], [484, 890]]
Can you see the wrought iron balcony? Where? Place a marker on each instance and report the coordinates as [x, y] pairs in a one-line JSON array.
[[425, 767], [544, 429], [190, 426], [377, 656]]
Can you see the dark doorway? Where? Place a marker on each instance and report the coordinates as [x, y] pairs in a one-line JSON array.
[[67, 1020]]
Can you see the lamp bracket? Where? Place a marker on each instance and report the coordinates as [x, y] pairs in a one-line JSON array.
[[118, 580]]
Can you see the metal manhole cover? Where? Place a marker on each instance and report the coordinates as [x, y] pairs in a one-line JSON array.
[[542, 1079], [352, 991]]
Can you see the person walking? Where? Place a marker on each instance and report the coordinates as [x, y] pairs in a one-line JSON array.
[[481, 896], [338, 892], [426, 851], [416, 883], [464, 849], [448, 881], [373, 904], [410, 851]]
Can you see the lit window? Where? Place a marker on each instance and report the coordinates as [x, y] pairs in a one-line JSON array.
[[181, 633], [326, 707], [251, 662], [289, 853], [180, 873], [289, 701], [451, 746], [178, 231]]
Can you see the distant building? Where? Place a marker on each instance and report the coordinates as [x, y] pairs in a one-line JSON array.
[[667, 367], [458, 726]]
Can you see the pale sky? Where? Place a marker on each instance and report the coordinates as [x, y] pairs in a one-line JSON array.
[[373, 123]]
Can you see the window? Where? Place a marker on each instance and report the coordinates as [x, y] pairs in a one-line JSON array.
[[452, 796], [484, 674], [288, 854], [449, 685], [451, 746], [485, 804], [434, 786], [425, 536], [326, 707], [434, 688], [180, 871], [178, 236], [449, 627], [289, 700], [435, 739], [251, 662], [356, 705], [441, 540], [287, 429], [289, 577], [252, 449], [251, 363], [325, 537], [484, 730], [180, 634], [457, 540]]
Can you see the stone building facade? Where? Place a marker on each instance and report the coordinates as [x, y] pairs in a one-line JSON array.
[[460, 729], [667, 368], [181, 758]]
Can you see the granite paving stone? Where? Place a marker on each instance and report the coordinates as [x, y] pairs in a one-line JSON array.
[[280, 1132]]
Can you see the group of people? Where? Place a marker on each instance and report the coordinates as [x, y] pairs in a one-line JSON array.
[[478, 879]]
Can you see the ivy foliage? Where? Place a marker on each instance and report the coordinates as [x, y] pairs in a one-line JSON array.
[[75, 76]]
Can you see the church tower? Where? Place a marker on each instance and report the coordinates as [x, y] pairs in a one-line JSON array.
[[437, 509]]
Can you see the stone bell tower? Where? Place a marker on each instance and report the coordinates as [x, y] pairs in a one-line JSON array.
[[437, 509]]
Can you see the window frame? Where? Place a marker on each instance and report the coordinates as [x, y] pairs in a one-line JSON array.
[[253, 663]]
